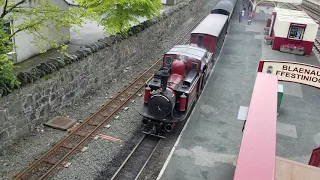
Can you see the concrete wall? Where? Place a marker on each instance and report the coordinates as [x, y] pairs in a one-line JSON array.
[[22, 110], [25, 48]]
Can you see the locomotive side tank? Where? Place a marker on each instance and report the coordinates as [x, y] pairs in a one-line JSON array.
[[173, 89]]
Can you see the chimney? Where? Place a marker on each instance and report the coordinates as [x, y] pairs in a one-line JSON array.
[[164, 79]]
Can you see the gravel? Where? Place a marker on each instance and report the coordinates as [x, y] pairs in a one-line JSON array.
[[23, 152], [102, 157]]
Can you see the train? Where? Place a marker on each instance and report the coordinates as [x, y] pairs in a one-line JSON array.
[[172, 92]]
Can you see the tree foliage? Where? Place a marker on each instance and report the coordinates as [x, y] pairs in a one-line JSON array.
[[36, 15], [32, 17], [120, 13]]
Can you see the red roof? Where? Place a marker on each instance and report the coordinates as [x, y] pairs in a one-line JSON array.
[[257, 156]]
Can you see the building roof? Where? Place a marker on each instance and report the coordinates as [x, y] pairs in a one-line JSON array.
[[189, 51], [211, 25], [290, 12], [223, 5], [293, 16]]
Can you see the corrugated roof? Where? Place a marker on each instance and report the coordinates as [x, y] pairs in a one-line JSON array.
[[189, 51], [294, 16], [211, 25]]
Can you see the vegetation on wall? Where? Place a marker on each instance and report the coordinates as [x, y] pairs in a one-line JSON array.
[[34, 17]]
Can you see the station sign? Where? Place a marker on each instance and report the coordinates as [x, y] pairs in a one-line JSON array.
[[292, 72]]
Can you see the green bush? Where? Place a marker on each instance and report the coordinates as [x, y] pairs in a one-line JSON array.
[[6, 71]]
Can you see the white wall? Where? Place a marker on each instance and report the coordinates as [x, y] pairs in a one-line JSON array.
[[26, 48], [281, 29]]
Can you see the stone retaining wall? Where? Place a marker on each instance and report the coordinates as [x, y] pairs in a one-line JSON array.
[[23, 109]]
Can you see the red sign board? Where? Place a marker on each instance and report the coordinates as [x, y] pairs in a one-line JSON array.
[[298, 25], [315, 158], [292, 72]]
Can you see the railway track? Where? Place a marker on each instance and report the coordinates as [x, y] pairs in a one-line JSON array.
[[134, 164], [61, 153], [317, 45]]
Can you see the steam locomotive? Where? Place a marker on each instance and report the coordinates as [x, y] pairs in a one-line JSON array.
[[173, 90]]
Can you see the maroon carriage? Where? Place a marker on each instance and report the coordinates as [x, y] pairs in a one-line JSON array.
[[172, 91], [210, 33]]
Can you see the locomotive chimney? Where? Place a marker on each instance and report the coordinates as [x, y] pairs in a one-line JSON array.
[[164, 79]]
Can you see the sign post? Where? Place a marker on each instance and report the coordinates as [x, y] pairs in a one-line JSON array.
[[292, 72], [280, 96]]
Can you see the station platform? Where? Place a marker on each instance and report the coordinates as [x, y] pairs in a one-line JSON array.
[[210, 141]]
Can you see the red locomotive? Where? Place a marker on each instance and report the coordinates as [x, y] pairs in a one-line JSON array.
[[175, 87]]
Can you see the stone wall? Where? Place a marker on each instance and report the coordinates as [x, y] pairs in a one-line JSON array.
[[23, 109]]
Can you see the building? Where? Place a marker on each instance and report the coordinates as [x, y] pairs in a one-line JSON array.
[[25, 48]]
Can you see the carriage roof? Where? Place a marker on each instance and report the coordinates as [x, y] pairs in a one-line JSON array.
[[212, 25], [223, 5]]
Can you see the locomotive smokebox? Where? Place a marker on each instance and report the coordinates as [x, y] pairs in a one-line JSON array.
[[162, 104]]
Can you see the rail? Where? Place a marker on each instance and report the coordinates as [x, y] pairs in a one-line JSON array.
[[134, 164], [57, 155]]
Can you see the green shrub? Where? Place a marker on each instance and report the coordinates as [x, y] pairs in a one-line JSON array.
[[6, 71]]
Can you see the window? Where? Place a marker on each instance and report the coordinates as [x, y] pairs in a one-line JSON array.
[[296, 33], [31, 3], [168, 60], [194, 66], [193, 36], [7, 29], [200, 38]]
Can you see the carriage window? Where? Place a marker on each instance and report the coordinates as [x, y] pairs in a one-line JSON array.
[[200, 38], [194, 66], [296, 33], [168, 60], [193, 36]]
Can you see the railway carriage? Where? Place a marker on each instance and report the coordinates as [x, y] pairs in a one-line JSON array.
[[210, 34], [292, 31], [224, 7]]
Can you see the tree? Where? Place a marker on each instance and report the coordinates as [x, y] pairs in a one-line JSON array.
[[120, 13], [34, 17]]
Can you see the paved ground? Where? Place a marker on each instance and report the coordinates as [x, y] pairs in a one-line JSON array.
[[211, 140], [88, 34]]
